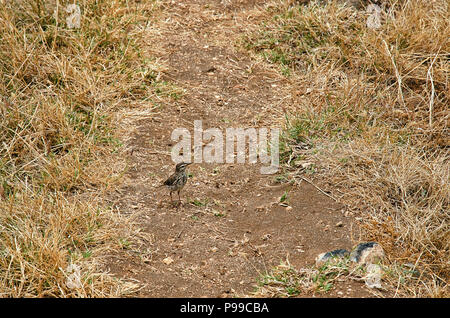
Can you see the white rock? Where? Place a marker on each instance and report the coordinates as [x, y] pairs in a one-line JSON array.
[[374, 19], [373, 277], [73, 280], [74, 19]]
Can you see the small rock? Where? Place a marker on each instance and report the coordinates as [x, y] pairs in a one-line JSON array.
[[260, 208], [307, 165], [374, 18], [73, 280], [214, 249], [367, 253], [339, 224], [73, 21], [168, 260]]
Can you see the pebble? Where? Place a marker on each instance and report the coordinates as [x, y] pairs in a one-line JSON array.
[[168, 260]]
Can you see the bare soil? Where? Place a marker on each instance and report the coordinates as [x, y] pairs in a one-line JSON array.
[[230, 227]]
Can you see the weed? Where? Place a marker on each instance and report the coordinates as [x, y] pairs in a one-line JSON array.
[[284, 197], [198, 202]]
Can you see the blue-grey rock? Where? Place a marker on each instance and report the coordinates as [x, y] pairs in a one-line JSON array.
[[322, 258]]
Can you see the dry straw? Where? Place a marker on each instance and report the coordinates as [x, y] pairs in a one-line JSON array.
[[59, 87]]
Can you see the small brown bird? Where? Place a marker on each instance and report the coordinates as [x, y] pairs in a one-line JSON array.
[[177, 180]]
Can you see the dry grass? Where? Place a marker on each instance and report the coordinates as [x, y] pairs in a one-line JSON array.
[[372, 108], [58, 90], [43, 234]]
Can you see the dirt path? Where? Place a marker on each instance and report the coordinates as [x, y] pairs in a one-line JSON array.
[[230, 227]]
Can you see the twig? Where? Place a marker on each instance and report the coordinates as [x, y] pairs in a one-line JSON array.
[[397, 74], [154, 152], [311, 183], [179, 235], [56, 16], [429, 75]]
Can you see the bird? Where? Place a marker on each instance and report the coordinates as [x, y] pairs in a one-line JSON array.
[[178, 179]]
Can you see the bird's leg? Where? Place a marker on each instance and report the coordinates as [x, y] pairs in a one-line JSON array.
[[171, 196], [179, 198]]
